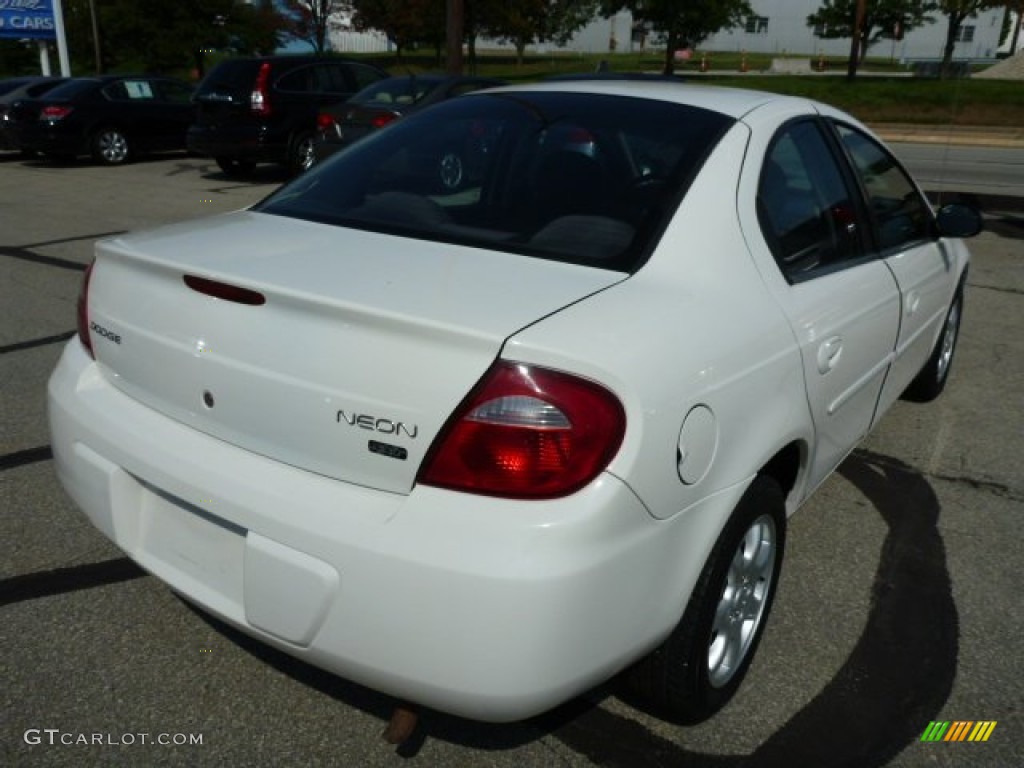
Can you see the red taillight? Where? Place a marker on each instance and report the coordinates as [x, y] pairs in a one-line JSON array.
[[259, 101], [325, 122], [379, 121], [527, 432], [54, 112], [83, 311]]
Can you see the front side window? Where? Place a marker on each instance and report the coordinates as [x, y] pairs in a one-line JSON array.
[[901, 215], [805, 205], [572, 177]]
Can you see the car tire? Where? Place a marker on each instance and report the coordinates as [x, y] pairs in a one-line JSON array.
[[701, 664], [235, 168], [931, 380], [110, 146], [302, 153]]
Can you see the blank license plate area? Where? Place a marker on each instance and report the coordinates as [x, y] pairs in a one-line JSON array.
[[193, 550]]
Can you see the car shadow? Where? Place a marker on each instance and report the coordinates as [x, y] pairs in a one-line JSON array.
[[268, 173], [895, 681]]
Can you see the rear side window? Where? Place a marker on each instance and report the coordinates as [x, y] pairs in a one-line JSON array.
[[301, 80], [130, 90], [571, 177], [229, 81]]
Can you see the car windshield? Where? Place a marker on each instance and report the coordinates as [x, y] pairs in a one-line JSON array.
[[580, 178]]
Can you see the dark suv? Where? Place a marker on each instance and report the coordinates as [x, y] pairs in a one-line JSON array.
[[264, 110]]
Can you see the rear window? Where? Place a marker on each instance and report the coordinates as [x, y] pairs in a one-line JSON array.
[[229, 81], [6, 86], [72, 88], [580, 178]]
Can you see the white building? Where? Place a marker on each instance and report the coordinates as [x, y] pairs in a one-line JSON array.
[[777, 27]]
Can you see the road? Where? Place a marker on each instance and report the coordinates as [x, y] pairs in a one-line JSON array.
[[964, 169], [899, 601]]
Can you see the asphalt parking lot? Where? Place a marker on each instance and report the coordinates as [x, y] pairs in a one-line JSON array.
[[899, 604]]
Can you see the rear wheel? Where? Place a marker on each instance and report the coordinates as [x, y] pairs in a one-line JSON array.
[[932, 379], [234, 167], [110, 146], [700, 666]]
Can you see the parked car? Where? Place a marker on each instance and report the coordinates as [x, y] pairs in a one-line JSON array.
[[380, 104], [14, 89], [112, 118], [263, 110], [482, 449]]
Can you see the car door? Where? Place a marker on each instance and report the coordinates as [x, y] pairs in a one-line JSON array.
[[903, 235], [842, 303], [134, 105], [176, 113]]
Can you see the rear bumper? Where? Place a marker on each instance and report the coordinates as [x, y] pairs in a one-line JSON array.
[[486, 608], [52, 139]]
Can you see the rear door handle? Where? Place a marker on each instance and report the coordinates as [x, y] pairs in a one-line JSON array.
[[829, 353]]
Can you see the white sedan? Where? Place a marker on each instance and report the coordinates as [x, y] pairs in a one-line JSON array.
[[516, 394]]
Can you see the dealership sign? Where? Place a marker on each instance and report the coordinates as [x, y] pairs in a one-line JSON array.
[[27, 18]]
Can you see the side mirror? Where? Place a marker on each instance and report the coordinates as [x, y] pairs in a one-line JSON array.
[[958, 220]]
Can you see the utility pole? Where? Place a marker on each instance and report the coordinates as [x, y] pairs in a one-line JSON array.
[[455, 27], [858, 25], [96, 37]]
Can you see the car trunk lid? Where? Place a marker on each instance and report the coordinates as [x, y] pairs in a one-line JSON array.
[[338, 351]]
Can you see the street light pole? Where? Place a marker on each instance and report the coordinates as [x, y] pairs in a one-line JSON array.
[[96, 37]]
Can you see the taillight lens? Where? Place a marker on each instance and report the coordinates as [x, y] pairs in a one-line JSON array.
[[82, 311], [325, 123], [527, 432], [259, 101], [379, 121], [54, 112]]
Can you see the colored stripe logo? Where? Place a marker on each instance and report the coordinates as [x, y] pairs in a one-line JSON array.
[[959, 730]]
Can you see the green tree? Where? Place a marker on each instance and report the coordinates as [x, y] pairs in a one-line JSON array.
[[309, 20], [158, 36], [526, 22], [683, 23], [957, 12], [883, 19], [405, 22]]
